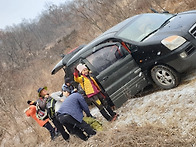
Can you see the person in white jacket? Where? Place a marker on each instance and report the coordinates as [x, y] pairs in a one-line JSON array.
[[59, 97]]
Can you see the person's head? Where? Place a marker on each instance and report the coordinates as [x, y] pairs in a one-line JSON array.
[[42, 91], [66, 92], [68, 81], [82, 69]]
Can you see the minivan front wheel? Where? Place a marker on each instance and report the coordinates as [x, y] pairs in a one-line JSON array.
[[165, 77]]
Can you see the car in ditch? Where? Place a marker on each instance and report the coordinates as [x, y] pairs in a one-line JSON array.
[[149, 48]]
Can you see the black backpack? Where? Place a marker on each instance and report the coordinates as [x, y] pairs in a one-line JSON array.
[[50, 107]]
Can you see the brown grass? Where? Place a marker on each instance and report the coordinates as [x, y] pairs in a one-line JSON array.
[[132, 136]]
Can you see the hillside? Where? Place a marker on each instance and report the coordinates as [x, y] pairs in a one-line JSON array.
[[159, 118]]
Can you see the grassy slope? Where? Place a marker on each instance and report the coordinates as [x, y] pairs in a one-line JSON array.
[[162, 118]]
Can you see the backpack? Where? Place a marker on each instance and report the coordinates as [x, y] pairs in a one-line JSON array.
[[50, 107], [40, 114]]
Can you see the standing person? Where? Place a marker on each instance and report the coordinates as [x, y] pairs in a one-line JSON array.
[[68, 84], [46, 102], [31, 112], [71, 113], [93, 92]]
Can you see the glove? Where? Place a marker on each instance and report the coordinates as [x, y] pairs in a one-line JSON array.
[[31, 102], [92, 116], [28, 102], [76, 72]]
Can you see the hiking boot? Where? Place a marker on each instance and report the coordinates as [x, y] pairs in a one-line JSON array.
[[105, 115], [68, 139], [57, 133], [53, 137], [85, 139], [115, 117]]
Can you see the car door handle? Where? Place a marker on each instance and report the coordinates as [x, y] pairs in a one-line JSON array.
[[105, 78], [137, 71]]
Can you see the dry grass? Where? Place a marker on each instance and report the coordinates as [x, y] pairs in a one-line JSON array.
[[163, 118], [132, 135]]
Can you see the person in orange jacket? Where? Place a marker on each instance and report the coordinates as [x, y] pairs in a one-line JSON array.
[[31, 112], [93, 92]]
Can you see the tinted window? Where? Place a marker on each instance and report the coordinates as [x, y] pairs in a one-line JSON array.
[[104, 57]]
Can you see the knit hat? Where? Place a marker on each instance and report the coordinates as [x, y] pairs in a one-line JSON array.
[[81, 67], [68, 80], [40, 89]]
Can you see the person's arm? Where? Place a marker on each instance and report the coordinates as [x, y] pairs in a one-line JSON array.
[[84, 105], [31, 102], [73, 88], [77, 78], [28, 111], [57, 96]]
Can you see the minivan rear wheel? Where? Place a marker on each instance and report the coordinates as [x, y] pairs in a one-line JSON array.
[[165, 77]]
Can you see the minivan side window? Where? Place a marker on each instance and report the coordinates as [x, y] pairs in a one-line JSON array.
[[104, 57]]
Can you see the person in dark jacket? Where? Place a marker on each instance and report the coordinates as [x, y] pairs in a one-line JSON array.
[[71, 113], [43, 102], [68, 84]]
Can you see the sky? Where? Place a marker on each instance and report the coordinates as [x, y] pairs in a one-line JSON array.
[[12, 12]]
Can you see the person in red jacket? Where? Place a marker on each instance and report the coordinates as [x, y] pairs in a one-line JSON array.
[[93, 92], [31, 112]]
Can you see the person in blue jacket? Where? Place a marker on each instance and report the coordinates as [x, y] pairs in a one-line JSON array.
[[68, 84], [70, 113]]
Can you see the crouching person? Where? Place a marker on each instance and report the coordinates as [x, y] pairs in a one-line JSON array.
[[70, 115]]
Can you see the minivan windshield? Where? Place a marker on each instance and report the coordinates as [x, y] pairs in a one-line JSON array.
[[144, 25]]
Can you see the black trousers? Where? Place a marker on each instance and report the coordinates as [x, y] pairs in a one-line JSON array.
[[102, 104], [60, 128], [75, 127], [50, 128], [76, 131]]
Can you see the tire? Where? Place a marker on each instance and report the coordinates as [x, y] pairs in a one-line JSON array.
[[165, 77]]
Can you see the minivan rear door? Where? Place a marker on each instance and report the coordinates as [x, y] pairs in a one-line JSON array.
[[116, 71]]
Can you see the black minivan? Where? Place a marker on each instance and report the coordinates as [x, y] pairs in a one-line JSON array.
[[146, 48]]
